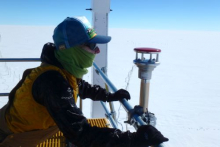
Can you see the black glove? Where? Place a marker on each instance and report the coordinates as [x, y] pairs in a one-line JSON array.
[[97, 93], [110, 137], [145, 136], [148, 135], [119, 95]]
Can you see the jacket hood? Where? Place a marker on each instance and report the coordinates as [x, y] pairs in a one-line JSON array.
[[47, 55]]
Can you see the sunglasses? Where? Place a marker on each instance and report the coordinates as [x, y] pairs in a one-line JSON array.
[[92, 46]]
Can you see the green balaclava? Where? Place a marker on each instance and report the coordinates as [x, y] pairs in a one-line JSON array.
[[75, 60]]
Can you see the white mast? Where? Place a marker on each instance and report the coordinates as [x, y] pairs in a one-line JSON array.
[[100, 10]]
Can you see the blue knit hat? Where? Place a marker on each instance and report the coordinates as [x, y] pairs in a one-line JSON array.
[[75, 31]]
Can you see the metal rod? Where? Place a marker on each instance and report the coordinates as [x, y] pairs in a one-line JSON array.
[[112, 108], [150, 57], [109, 116], [20, 59], [142, 56], [4, 94], [124, 102], [144, 94], [111, 105], [157, 60]]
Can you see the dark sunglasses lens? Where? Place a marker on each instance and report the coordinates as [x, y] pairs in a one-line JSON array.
[[92, 46]]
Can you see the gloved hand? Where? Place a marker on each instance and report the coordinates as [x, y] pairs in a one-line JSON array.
[[97, 93], [110, 137], [148, 135], [119, 95]]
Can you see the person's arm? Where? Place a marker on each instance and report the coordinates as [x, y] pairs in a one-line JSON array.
[[97, 93], [53, 91]]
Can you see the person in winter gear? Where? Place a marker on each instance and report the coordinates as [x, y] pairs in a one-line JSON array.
[[44, 100]]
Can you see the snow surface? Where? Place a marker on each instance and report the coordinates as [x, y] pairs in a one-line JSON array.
[[184, 90]]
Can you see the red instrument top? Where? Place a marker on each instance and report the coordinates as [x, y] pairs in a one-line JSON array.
[[147, 50]]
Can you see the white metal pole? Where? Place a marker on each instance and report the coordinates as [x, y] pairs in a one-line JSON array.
[[100, 10], [144, 94]]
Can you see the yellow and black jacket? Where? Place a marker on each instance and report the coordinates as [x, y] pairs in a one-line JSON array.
[[21, 116]]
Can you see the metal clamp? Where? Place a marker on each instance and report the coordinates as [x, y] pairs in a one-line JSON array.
[[148, 117]]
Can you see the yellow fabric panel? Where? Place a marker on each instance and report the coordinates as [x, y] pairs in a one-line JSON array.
[[73, 82], [25, 114], [58, 140]]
